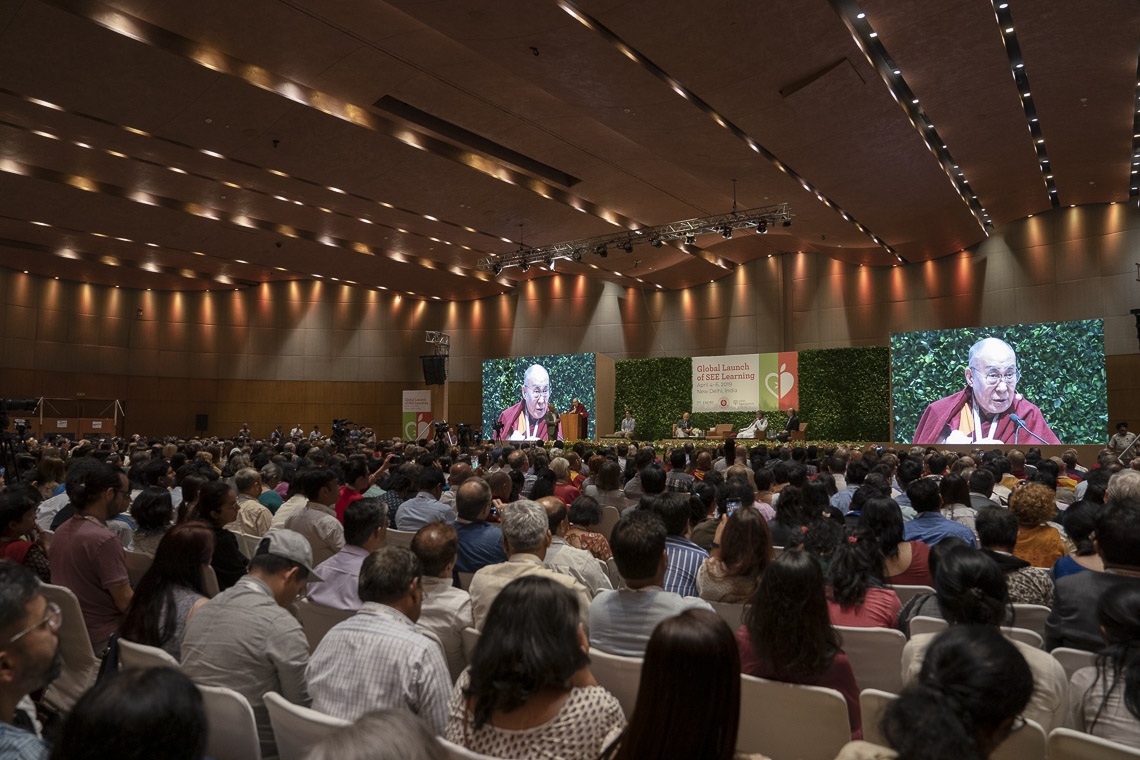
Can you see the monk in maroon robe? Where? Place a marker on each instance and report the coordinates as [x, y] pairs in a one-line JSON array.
[[987, 409], [526, 420]]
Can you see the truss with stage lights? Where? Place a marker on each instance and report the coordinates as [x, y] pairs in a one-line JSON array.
[[685, 232]]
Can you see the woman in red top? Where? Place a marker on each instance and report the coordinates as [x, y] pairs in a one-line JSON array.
[[856, 593], [905, 563], [17, 526], [563, 488], [787, 635]]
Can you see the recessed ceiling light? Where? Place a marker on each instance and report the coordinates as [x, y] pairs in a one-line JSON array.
[[862, 15]]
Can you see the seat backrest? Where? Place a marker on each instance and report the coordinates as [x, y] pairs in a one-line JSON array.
[[297, 728], [803, 427], [233, 730], [927, 624], [137, 565], [1025, 636], [873, 704], [724, 429], [731, 613], [1031, 617], [1073, 660], [465, 580], [402, 538], [610, 518], [875, 654], [906, 593], [620, 675], [317, 620], [132, 655], [470, 639], [80, 666], [1026, 743], [456, 752], [210, 581], [1067, 744], [247, 543], [773, 716]]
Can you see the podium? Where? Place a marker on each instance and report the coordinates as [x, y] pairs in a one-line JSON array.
[[571, 424]]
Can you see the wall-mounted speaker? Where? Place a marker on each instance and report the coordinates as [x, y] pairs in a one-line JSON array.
[[435, 369]]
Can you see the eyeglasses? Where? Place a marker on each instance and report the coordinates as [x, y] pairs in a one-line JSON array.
[[53, 619], [538, 391], [1009, 377]]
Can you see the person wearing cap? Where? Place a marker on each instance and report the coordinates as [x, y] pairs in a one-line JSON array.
[[246, 639]]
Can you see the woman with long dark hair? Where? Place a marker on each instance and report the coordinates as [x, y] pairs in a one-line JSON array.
[[1079, 521], [905, 563], [791, 517], [217, 507], [1105, 698], [787, 634], [966, 701], [152, 510], [856, 592], [171, 590], [732, 572], [694, 652], [528, 691]]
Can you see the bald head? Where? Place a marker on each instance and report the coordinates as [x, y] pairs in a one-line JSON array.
[[992, 375], [459, 472], [500, 483], [555, 514], [473, 499], [536, 391]]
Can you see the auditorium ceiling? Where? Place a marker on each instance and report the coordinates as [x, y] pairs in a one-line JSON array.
[[219, 143]]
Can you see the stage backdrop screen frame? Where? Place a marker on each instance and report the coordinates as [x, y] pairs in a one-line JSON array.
[[1061, 371], [571, 376]]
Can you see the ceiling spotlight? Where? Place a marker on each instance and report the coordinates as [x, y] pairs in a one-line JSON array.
[[787, 222], [655, 242], [628, 247], [761, 227], [549, 260], [497, 269], [690, 239], [603, 251], [726, 232], [525, 265], [577, 254]]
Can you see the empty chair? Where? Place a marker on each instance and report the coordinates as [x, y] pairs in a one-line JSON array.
[[774, 722], [297, 728], [620, 675], [137, 565], [132, 655], [80, 666], [1073, 660], [399, 538], [731, 613], [470, 639], [927, 624], [875, 654], [1067, 744], [1031, 617], [317, 620], [873, 704], [233, 730], [1026, 743], [906, 593]]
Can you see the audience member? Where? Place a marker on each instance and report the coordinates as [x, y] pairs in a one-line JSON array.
[[88, 559], [254, 518], [317, 522], [857, 595], [929, 526], [1105, 697], [956, 500], [526, 538], [787, 636], [377, 658], [685, 557], [584, 514], [1037, 543], [19, 542], [529, 691], [743, 550], [480, 542], [425, 506], [30, 657], [172, 589], [905, 563], [153, 512], [1080, 523], [446, 610], [972, 591], [561, 557], [623, 620], [217, 507], [997, 532], [245, 637], [365, 527]]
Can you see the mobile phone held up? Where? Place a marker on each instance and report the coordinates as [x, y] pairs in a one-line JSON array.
[[733, 506]]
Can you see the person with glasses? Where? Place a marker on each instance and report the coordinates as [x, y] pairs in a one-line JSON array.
[[29, 659], [989, 410], [527, 420]]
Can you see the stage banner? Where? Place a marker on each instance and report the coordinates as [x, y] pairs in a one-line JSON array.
[[417, 414], [726, 383], [779, 381]]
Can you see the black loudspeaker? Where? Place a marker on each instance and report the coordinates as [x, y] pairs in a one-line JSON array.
[[1136, 313], [201, 422], [435, 369]]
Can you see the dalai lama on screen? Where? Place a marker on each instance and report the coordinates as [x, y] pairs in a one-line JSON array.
[[526, 420], [989, 409]]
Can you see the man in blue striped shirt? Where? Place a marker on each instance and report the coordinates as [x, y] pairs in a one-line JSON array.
[[685, 557]]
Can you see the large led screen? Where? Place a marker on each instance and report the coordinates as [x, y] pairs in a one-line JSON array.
[[518, 393], [1023, 385]]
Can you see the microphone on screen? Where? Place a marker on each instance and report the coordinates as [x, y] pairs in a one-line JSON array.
[[1021, 424]]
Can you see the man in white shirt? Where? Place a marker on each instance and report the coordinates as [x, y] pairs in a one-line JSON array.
[[757, 429], [254, 518], [446, 609], [561, 557], [377, 659], [622, 621], [365, 527], [317, 521]]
